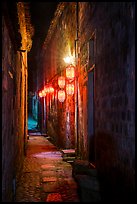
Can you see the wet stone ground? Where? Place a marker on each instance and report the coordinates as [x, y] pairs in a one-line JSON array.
[[45, 176]]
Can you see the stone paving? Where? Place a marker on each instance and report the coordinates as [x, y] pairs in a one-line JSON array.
[[45, 176]]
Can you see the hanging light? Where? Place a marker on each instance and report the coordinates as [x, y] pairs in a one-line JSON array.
[[70, 72], [61, 81], [40, 94], [49, 89], [61, 95], [67, 59], [70, 89], [43, 93]]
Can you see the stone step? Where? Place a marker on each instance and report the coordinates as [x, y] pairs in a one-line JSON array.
[[68, 153], [69, 159]]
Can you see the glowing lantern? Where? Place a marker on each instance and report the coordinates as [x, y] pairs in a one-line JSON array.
[[61, 95], [61, 82], [40, 94], [70, 89], [70, 72], [49, 89], [43, 93]]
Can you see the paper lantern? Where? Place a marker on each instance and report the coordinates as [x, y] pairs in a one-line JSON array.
[[70, 89], [49, 89], [70, 72], [61, 95], [61, 81], [43, 93], [40, 94]]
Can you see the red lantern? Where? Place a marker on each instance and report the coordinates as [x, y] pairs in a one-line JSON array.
[[49, 89], [61, 81], [70, 89], [43, 93], [70, 72], [61, 95], [40, 94]]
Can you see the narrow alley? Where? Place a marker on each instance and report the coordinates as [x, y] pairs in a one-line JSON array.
[[48, 175], [68, 101]]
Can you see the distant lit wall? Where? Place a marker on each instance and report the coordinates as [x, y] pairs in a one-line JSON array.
[[35, 107], [60, 116]]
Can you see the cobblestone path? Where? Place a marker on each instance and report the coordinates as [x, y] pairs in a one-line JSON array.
[[45, 176]]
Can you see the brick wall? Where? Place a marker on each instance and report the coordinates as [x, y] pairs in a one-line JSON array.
[[114, 91]]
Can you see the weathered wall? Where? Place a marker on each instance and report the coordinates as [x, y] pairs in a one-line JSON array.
[[14, 99], [12, 115], [114, 91], [20, 113], [60, 120], [7, 112]]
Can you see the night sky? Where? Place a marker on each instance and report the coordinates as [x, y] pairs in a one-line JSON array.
[[41, 15]]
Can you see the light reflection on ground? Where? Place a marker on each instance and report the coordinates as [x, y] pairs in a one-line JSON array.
[[52, 155]]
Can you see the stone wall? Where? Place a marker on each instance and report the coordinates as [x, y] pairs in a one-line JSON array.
[[14, 110], [114, 91], [7, 112], [12, 131]]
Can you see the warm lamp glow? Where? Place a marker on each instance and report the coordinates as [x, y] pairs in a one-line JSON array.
[[46, 89], [49, 89], [70, 89], [43, 93], [61, 95], [67, 60], [40, 94], [61, 81]]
